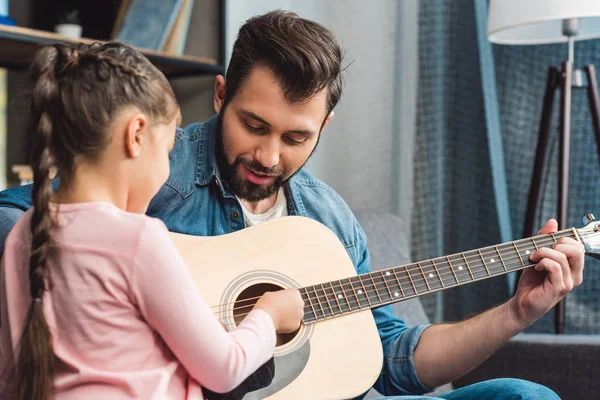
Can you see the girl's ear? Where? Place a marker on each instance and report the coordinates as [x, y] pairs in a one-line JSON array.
[[134, 135]]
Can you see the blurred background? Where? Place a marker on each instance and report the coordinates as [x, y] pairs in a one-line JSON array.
[[436, 126]]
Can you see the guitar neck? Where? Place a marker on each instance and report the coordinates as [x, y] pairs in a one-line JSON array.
[[387, 286]]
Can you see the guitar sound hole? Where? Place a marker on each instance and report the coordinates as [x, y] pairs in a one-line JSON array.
[[243, 307]]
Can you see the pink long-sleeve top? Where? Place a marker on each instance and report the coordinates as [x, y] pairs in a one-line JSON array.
[[127, 320]]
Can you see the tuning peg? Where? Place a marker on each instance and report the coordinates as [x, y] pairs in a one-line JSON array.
[[588, 218]]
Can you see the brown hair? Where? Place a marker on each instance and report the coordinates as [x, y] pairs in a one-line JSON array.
[[304, 56], [75, 95]]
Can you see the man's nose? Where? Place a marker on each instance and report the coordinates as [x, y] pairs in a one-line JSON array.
[[267, 152]]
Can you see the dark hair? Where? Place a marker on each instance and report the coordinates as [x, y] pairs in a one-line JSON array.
[[304, 56], [76, 93]]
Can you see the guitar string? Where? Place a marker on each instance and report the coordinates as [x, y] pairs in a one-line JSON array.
[[392, 299], [366, 295], [476, 257], [417, 278], [447, 260]]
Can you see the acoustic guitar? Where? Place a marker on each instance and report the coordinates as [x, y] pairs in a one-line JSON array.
[[336, 353]]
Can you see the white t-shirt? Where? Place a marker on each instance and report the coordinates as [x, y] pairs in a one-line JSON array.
[[278, 210]]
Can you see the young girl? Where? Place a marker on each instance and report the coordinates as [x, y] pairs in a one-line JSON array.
[[96, 302]]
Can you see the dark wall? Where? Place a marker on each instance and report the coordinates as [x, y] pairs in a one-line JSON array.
[[16, 113]]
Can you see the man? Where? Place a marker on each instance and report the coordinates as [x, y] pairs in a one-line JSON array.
[[244, 166]]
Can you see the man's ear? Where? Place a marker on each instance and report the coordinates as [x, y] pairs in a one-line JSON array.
[[326, 122], [134, 135], [219, 95]]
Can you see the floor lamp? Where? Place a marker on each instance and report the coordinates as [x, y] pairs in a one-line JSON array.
[[530, 22]]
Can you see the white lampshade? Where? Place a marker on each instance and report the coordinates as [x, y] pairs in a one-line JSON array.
[[540, 21]]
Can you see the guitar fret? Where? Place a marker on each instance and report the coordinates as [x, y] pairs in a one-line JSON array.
[[379, 287], [484, 263], [452, 268], [386, 284], [506, 254], [460, 268], [348, 303], [327, 311], [365, 291], [433, 280], [518, 253], [501, 259], [306, 297], [528, 252], [411, 280], [376, 288], [314, 303], [327, 299], [438, 273], [399, 284], [356, 293], [467, 265], [352, 293], [335, 296], [534, 245], [516, 262], [424, 277], [344, 295], [318, 301]]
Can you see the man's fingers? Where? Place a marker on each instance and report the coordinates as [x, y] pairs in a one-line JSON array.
[[574, 252], [550, 227], [555, 275], [549, 258]]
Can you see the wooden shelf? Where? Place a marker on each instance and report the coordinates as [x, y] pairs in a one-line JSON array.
[[18, 46]]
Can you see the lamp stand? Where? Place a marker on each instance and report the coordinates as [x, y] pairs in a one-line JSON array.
[[562, 79]]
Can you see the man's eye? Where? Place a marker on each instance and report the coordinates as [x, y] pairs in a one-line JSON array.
[[254, 128], [292, 141]]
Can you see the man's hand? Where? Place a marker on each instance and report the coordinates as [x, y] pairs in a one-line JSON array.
[[448, 351], [557, 271]]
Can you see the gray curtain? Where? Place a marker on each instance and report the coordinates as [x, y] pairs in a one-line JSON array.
[[521, 73], [454, 207], [454, 204]]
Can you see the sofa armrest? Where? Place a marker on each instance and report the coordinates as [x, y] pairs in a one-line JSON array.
[[568, 364]]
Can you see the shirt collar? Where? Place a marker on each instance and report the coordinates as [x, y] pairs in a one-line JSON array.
[[207, 168]]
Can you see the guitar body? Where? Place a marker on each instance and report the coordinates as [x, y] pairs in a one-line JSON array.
[[337, 358]]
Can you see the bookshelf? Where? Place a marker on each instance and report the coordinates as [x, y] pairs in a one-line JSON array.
[[19, 45], [192, 77]]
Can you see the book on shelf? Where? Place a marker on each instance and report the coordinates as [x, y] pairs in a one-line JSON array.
[[147, 23], [176, 41]]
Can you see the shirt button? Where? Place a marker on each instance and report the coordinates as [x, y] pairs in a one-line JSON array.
[[235, 215]]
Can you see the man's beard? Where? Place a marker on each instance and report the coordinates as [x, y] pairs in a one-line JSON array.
[[230, 173]]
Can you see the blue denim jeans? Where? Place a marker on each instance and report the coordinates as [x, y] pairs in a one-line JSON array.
[[495, 389]]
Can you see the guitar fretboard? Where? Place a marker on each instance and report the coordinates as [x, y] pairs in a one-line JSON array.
[[378, 288]]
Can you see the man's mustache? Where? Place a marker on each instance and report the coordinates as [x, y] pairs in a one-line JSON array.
[[258, 167]]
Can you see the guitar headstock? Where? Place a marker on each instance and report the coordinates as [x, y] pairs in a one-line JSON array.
[[590, 236]]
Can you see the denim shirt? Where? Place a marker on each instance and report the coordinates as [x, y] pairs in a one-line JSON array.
[[194, 201]]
